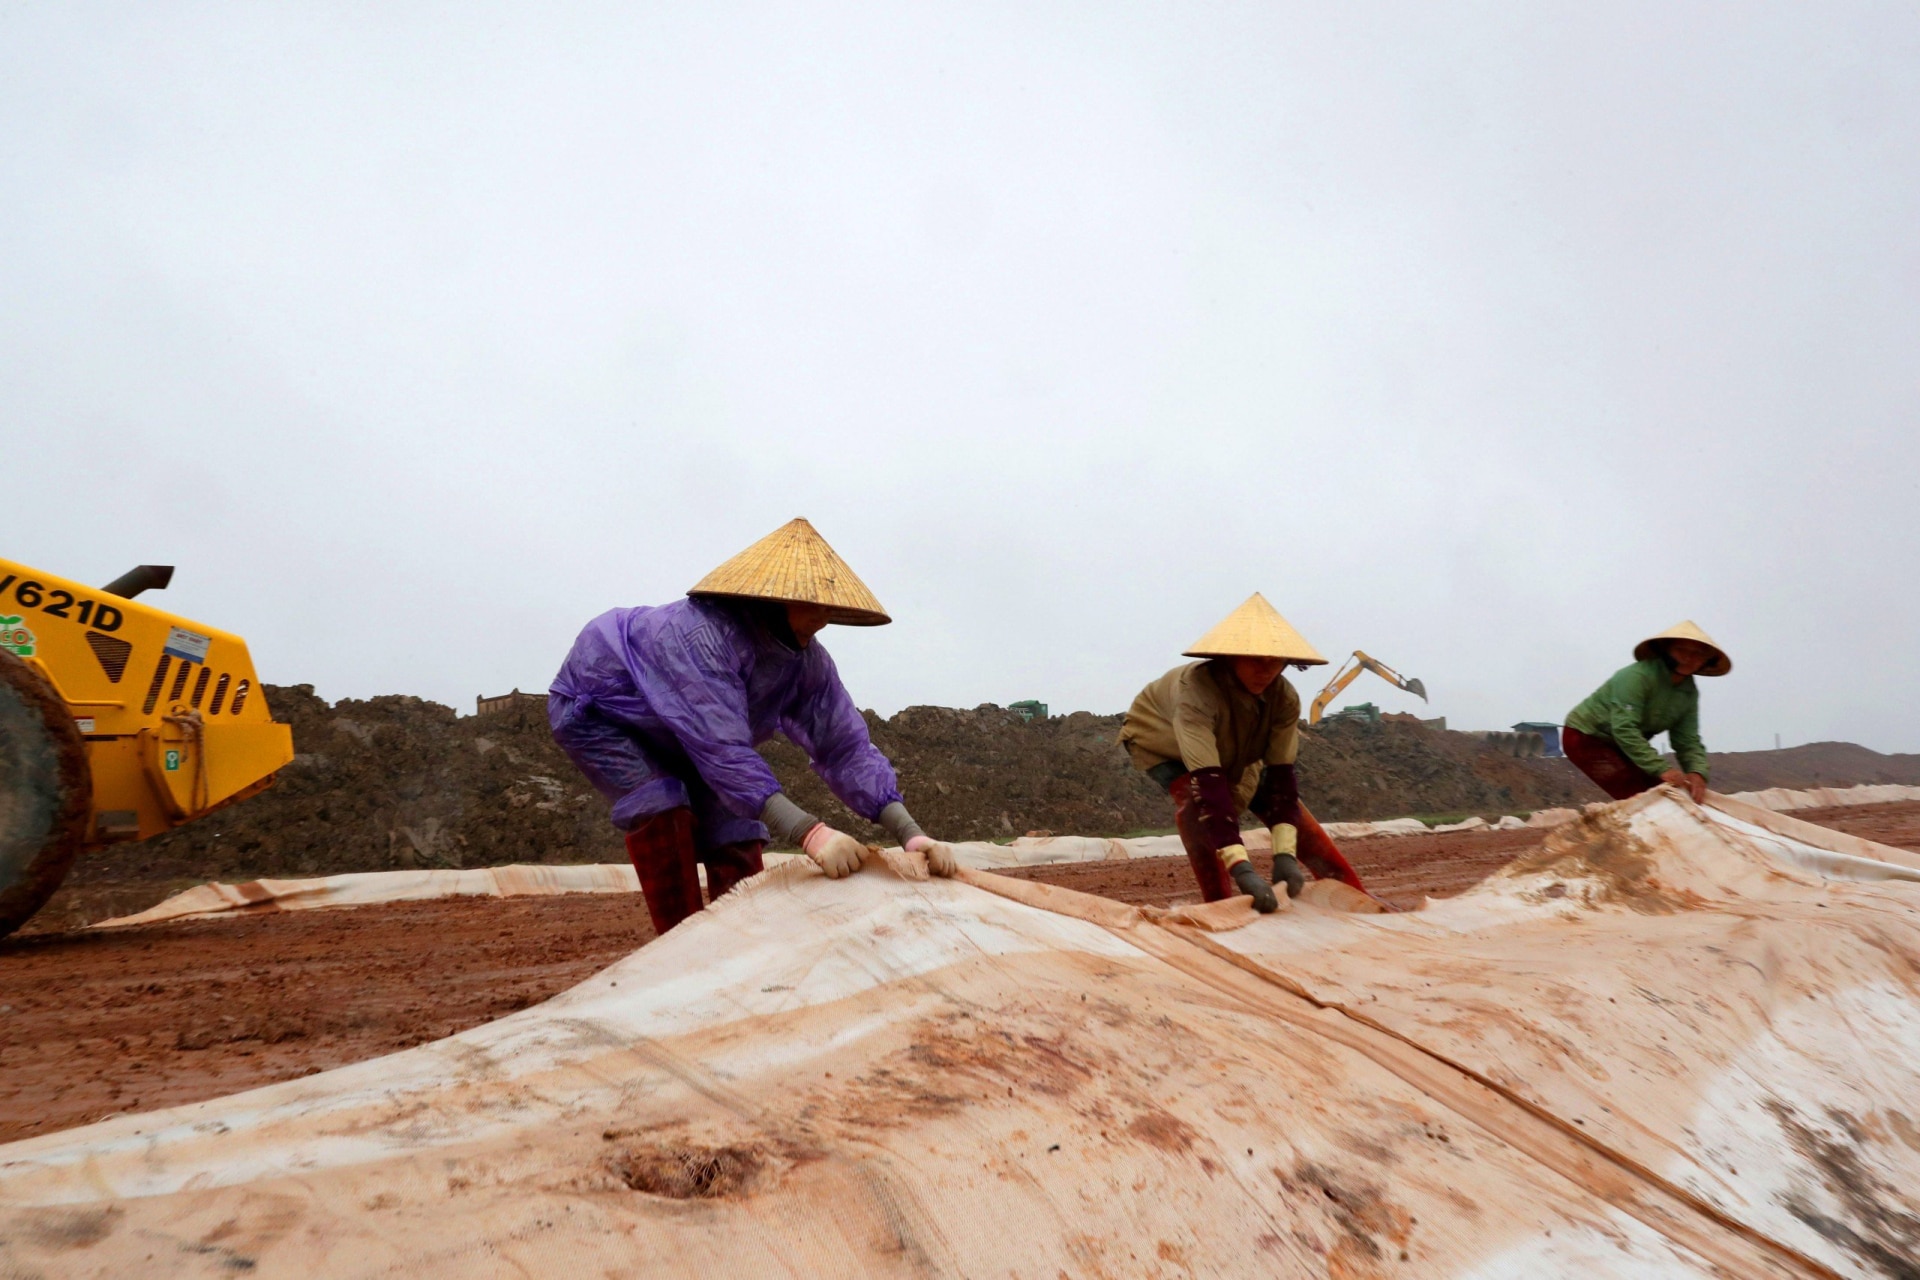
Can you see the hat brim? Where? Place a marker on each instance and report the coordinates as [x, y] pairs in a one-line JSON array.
[[1720, 665], [837, 615], [1301, 661]]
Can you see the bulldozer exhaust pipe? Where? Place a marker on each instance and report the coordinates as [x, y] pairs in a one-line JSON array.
[[145, 577]]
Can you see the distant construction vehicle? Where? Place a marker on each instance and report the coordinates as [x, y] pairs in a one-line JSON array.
[[1350, 671], [117, 722]]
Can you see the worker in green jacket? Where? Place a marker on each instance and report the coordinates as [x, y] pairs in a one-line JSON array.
[[1607, 735]]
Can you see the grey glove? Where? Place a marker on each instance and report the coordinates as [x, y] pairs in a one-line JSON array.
[[1287, 867], [786, 821], [900, 825], [1255, 886]]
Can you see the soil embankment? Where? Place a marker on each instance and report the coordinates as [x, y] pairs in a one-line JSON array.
[[142, 1018], [398, 782], [1815, 764]]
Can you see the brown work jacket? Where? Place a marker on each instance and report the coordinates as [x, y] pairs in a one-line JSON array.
[[1200, 715]]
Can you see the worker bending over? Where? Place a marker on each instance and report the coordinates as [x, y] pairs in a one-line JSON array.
[[1607, 735], [661, 708], [1221, 736]]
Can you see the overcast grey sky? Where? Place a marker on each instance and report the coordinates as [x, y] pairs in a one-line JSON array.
[[1486, 338]]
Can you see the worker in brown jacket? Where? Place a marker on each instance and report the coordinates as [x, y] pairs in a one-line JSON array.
[[1221, 736]]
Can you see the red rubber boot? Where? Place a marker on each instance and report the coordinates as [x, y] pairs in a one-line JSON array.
[[661, 850]]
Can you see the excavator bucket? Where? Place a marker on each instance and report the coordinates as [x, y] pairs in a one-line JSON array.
[[1417, 689]]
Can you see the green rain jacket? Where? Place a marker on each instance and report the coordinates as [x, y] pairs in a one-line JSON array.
[[1639, 702]]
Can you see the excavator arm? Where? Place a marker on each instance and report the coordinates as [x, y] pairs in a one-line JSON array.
[[1350, 671]]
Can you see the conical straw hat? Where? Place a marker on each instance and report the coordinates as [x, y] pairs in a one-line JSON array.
[[794, 565], [1718, 665], [1256, 630]]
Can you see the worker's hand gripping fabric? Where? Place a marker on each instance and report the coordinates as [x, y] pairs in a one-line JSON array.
[[837, 853], [1217, 817], [1288, 871], [1277, 801], [1252, 883], [941, 859]]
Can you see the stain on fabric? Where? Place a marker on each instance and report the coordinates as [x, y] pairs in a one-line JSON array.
[[689, 1172], [1877, 1230], [1602, 850]]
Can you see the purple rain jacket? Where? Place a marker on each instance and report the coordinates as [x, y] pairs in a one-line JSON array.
[[662, 706]]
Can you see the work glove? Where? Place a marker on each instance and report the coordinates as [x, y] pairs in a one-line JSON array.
[[1691, 783], [940, 858], [1287, 867], [837, 853], [1254, 885]]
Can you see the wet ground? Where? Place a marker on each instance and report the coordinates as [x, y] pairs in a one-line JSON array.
[[97, 1023]]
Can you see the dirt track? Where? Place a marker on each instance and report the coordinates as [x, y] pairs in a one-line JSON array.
[[151, 1017]]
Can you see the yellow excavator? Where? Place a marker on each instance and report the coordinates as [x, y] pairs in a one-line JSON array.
[[1350, 671], [118, 721]]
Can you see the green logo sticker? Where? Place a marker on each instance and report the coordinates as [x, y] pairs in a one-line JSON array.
[[15, 638], [173, 762]]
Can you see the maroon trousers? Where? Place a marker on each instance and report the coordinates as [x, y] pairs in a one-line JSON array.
[[1317, 852], [1606, 764], [666, 859]]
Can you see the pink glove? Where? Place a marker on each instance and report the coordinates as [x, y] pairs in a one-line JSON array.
[[837, 853], [940, 858]]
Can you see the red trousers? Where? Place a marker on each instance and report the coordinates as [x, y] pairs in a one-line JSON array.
[[664, 856], [1317, 852], [1606, 764]]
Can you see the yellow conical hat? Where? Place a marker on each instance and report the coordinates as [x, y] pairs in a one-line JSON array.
[[1256, 630], [1718, 666], [794, 565]]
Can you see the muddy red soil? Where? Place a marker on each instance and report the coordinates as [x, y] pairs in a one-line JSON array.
[[97, 1023], [1894, 824], [1401, 870], [92, 1024]]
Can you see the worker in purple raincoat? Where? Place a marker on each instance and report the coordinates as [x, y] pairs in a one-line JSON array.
[[661, 708]]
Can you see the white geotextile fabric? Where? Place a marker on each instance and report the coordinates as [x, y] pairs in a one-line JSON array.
[[1784, 799], [363, 888], [1667, 1044], [366, 888]]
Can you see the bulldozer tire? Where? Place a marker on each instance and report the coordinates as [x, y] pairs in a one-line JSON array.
[[46, 792]]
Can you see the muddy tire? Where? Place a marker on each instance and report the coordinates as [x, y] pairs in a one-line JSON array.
[[46, 792]]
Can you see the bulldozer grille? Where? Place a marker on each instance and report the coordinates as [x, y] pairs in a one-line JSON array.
[[153, 690], [180, 673], [112, 654]]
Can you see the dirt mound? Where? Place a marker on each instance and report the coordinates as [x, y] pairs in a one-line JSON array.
[[1352, 770], [382, 784], [985, 774], [398, 782], [1817, 764], [152, 1016], [838, 1076]]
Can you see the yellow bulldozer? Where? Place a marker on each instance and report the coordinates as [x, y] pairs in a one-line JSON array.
[[118, 721]]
